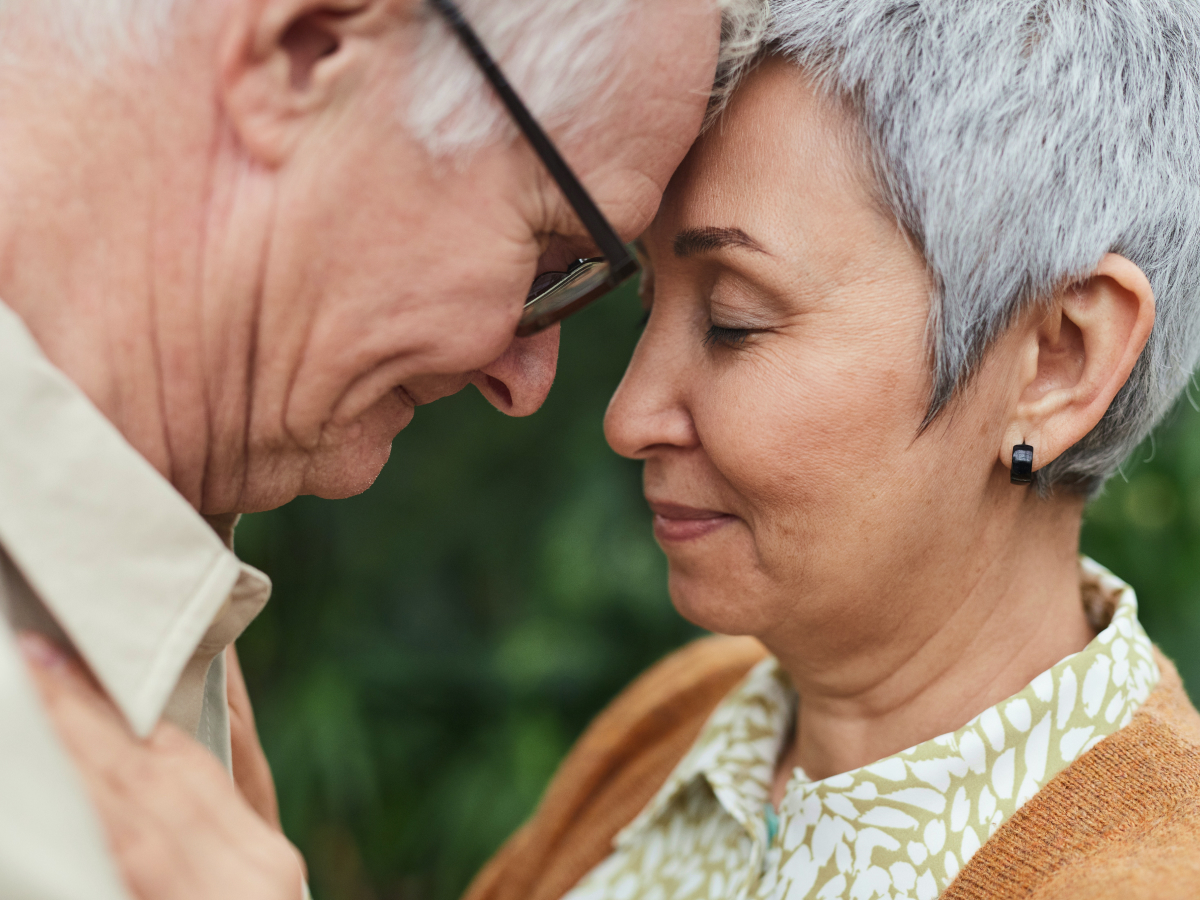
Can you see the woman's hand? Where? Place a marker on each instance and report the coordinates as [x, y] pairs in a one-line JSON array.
[[177, 826], [251, 771]]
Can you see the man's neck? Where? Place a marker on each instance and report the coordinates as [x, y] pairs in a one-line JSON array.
[[997, 629]]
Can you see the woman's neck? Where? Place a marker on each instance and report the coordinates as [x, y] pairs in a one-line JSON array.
[[999, 625]]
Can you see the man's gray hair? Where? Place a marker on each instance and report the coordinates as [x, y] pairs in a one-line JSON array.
[[559, 55], [92, 32], [1017, 142]]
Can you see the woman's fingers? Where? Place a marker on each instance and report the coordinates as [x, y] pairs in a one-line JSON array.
[[176, 824], [86, 720], [251, 771], [111, 761]]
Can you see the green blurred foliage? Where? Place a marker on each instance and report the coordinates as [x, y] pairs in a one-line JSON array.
[[1145, 527], [435, 645]]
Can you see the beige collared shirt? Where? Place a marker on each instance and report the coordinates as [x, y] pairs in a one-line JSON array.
[[98, 551]]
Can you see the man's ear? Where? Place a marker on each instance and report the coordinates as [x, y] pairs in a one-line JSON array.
[[284, 61], [1076, 356]]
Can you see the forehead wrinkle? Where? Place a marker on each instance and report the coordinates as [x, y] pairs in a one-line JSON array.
[[706, 239]]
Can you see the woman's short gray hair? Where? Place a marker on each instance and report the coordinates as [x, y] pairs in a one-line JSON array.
[[559, 55], [1017, 142]]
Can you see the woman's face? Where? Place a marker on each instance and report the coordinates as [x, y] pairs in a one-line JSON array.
[[777, 393]]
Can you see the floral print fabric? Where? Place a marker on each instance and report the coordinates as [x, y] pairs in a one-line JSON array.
[[902, 827]]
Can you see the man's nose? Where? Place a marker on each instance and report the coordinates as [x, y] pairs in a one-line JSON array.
[[517, 381]]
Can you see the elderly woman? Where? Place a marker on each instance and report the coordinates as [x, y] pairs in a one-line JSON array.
[[925, 286], [930, 279]]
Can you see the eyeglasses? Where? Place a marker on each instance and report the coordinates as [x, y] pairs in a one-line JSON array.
[[554, 295]]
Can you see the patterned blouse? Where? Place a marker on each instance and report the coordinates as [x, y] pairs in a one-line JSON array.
[[898, 828]]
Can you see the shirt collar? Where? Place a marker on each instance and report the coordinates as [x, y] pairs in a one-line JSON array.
[[735, 753], [129, 570]]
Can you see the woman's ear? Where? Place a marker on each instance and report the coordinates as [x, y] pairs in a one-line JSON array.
[[1076, 356], [284, 61]]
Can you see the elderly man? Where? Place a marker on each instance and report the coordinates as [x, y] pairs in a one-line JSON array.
[[241, 241]]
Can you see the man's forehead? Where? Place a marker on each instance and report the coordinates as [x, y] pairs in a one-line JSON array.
[[648, 116]]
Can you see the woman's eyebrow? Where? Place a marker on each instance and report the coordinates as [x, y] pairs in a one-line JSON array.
[[692, 241]]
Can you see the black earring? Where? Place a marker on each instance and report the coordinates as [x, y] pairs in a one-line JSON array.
[[1022, 464]]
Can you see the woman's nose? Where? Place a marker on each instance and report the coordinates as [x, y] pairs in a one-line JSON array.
[[649, 410], [518, 381]]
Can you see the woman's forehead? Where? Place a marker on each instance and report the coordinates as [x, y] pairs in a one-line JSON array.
[[780, 165]]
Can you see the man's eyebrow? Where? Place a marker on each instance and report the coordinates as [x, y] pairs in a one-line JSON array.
[[692, 241]]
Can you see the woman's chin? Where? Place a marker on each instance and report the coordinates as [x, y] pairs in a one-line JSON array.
[[718, 604]]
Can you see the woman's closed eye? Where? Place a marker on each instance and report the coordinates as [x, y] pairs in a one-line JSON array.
[[724, 336], [736, 313]]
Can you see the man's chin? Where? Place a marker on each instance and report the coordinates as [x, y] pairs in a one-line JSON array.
[[347, 483], [349, 464]]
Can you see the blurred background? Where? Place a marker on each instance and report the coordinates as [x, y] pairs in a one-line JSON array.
[[434, 646]]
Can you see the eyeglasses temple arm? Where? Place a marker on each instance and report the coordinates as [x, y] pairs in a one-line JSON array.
[[621, 261]]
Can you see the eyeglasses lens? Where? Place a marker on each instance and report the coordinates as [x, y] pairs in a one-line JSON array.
[[555, 295]]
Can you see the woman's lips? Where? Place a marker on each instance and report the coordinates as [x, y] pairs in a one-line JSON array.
[[673, 522]]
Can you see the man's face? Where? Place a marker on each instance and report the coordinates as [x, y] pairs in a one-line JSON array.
[[391, 279]]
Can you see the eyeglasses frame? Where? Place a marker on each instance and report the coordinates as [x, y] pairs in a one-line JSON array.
[[622, 264]]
